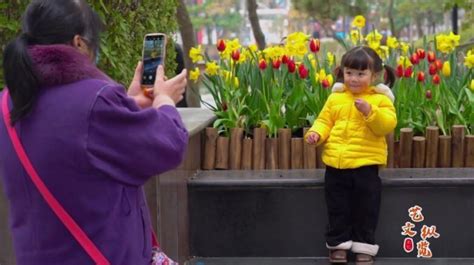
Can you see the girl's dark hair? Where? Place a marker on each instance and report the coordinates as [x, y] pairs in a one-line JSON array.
[[45, 22], [362, 58]]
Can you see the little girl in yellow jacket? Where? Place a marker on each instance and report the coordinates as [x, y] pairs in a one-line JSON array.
[[353, 124]]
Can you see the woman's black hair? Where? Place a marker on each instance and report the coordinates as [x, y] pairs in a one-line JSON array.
[[45, 22], [362, 58]]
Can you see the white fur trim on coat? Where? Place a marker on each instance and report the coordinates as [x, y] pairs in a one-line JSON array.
[[380, 89], [364, 248], [383, 89], [345, 245]]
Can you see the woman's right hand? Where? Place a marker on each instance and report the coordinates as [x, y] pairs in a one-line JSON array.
[[312, 138], [168, 91]]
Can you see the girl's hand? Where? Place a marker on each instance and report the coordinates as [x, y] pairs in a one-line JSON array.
[[170, 91], [363, 106], [135, 90], [312, 138]]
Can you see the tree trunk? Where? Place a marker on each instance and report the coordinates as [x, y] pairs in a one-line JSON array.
[[257, 30], [187, 34], [391, 19]]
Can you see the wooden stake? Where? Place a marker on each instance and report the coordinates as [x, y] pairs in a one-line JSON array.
[[258, 150], [271, 153], [432, 142], [284, 148], [247, 153], [309, 153], [210, 142], [235, 154], [444, 151], [457, 146], [222, 153], [469, 151], [419, 150], [406, 141], [297, 153]]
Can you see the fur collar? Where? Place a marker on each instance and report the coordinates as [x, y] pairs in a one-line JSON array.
[[61, 64], [380, 89]]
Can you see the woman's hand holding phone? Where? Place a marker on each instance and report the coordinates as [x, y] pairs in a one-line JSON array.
[[164, 91], [168, 92]]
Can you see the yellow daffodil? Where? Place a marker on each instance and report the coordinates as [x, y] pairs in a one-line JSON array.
[[356, 37], [194, 74], [383, 51], [404, 61], [195, 53], [359, 22], [392, 42], [253, 47], [404, 47], [330, 57], [212, 68], [446, 70], [469, 59], [447, 43], [274, 52], [374, 36]]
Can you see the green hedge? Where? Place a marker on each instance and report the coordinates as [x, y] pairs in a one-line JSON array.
[[127, 21]]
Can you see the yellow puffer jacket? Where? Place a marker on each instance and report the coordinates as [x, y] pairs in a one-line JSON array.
[[353, 140]]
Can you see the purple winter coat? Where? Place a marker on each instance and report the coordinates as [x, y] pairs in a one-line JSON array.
[[94, 148]]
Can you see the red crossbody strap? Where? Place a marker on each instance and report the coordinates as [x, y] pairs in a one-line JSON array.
[[65, 218]]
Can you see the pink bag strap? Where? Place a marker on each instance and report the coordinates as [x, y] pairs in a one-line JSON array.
[[65, 218]]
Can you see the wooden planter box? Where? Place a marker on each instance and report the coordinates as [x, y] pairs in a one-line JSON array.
[[287, 152]]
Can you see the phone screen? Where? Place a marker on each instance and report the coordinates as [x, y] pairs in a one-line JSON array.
[[153, 55]]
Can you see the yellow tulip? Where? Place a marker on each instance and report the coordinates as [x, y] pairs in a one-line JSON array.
[[194, 74], [359, 22], [330, 79], [330, 57], [446, 70]]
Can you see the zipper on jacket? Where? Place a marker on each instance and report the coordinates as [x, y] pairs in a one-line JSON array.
[[345, 134]]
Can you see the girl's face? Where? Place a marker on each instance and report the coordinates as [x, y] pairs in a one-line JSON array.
[[358, 80]]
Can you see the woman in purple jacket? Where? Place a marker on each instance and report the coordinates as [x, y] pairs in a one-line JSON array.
[[93, 144]]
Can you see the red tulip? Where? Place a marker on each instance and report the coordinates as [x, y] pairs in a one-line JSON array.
[[399, 70], [432, 69], [414, 59], [221, 45], [235, 55], [421, 53], [436, 79], [325, 83], [276, 64], [428, 94], [262, 65], [314, 45], [439, 64], [303, 71], [431, 56], [408, 72], [291, 66], [284, 59], [421, 76]]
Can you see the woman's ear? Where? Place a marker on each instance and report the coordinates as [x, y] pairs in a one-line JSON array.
[[79, 43]]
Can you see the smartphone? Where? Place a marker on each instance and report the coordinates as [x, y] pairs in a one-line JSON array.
[[154, 51]]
